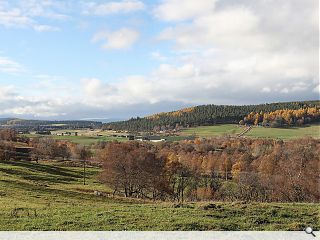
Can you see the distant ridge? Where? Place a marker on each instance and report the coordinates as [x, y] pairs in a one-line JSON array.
[[203, 115]]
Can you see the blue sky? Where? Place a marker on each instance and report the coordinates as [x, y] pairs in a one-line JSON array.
[[117, 59]]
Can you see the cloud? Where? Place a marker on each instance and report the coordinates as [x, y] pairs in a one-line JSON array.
[[6, 92], [123, 38], [14, 18], [156, 55], [126, 6], [28, 13], [175, 10], [14, 104], [8, 65], [45, 28], [48, 9], [241, 48]]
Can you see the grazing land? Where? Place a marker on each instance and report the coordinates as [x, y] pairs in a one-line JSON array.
[[51, 196], [213, 131], [256, 132], [85, 137], [285, 133]]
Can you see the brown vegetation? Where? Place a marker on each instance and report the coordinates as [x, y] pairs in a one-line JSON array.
[[220, 169]]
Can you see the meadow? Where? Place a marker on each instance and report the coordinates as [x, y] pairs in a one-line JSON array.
[[80, 139], [285, 133], [212, 131], [255, 132], [51, 196]]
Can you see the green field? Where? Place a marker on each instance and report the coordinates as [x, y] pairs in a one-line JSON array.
[[51, 196], [84, 140], [259, 132], [285, 133], [211, 131]]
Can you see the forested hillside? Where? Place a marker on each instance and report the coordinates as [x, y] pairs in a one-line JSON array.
[[287, 117], [204, 115]]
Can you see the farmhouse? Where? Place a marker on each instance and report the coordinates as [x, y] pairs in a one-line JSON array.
[[67, 134], [151, 138]]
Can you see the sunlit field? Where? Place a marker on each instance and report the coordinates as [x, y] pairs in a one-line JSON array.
[[259, 132], [51, 196]]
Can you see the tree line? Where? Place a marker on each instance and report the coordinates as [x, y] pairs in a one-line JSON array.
[[223, 169], [203, 115], [283, 117], [12, 144]]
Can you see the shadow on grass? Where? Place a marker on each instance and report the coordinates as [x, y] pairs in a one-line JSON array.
[[18, 185], [44, 168], [297, 127], [37, 177]]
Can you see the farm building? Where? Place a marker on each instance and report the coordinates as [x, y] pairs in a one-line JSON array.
[[151, 138]]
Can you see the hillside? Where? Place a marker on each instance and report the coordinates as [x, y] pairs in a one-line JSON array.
[[51, 196], [203, 115], [35, 125]]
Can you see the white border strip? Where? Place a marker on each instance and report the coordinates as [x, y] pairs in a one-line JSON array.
[[179, 235]]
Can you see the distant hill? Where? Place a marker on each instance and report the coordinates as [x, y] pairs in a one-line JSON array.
[[47, 124], [203, 115], [4, 121], [103, 120]]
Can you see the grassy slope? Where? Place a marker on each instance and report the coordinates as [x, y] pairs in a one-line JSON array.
[[216, 130], [230, 129], [285, 133], [51, 197]]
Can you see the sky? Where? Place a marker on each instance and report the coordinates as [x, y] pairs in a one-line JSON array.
[[120, 59]]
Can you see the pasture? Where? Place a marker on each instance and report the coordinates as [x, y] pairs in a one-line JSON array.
[[255, 132], [285, 133], [51, 196], [85, 137], [212, 131]]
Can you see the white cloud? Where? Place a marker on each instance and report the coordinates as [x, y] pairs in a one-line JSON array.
[[156, 55], [26, 14], [14, 18], [6, 92], [121, 39], [8, 65], [125, 6], [14, 104], [49, 8], [240, 47], [266, 90], [176, 10], [46, 28], [237, 27]]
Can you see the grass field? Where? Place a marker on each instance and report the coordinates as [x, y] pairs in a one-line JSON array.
[[211, 131], [257, 132], [285, 133], [84, 140], [51, 196]]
